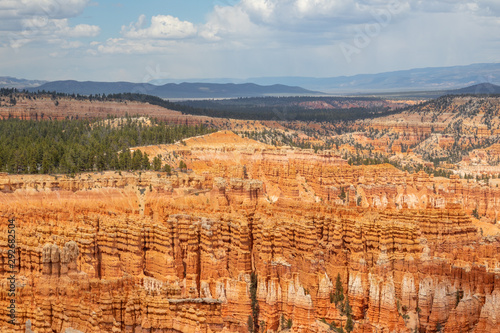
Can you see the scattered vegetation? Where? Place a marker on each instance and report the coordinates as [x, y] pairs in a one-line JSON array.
[[402, 310], [475, 213], [342, 195], [253, 319], [338, 295], [342, 304], [286, 323], [459, 295]]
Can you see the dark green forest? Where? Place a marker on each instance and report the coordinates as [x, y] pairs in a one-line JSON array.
[[282, 109], [72, 146], [248, 108], [259, 108]]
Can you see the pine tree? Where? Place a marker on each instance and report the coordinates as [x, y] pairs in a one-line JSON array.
[[145, 162], [157, 163], [338, 296], [250, 324], [137, 160], [167, 169]]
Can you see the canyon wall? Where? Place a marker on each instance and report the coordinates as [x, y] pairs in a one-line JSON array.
[[151, 252]]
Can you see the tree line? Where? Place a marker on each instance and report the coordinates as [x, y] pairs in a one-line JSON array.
[[282, 109], [249, 108], [72, 146]]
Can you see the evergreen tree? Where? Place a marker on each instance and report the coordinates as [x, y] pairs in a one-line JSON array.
[[70, 146], [253, 301], [137, 160], [349, 325], [338, 296], [157, 163], [145, 162], [125, 159], [250, 324], [167, 169]]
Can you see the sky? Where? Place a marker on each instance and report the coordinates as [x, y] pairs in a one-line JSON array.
[[141, 41]]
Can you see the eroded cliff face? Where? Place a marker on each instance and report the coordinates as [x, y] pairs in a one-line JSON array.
[[148, 252], [46, 107]]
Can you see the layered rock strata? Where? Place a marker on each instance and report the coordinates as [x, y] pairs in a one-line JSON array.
[[150, 252]]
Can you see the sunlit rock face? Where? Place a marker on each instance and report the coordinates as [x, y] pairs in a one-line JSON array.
[[151, 252]]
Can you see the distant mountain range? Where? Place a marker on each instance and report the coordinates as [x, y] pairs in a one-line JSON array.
[[174, 90], [419, 79], [439, 80], [482, 88], [12, 82]]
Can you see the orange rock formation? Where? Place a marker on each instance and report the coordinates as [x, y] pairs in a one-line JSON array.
[[149, 252]]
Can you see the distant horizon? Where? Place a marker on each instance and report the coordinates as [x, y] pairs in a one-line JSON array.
[[191, 79], [433, 81]]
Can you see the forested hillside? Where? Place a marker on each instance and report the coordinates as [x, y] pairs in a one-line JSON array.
[[71, 146]]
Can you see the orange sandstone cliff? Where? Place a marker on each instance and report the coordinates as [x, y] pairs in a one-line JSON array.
[[151, 252]]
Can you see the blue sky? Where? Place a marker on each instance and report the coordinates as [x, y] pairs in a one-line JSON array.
[[179, 39]]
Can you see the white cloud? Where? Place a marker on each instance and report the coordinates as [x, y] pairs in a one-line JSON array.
[[262, 9], [162, 27], [291, 13], [308, 20], [72, 44], [41, 29], [230, 22], [164, 33], [288, 25], [246, 38], [474, 7], [80, 30], [133, 46], [41, 26], [323, 15], [15, 9], [27, 21]]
